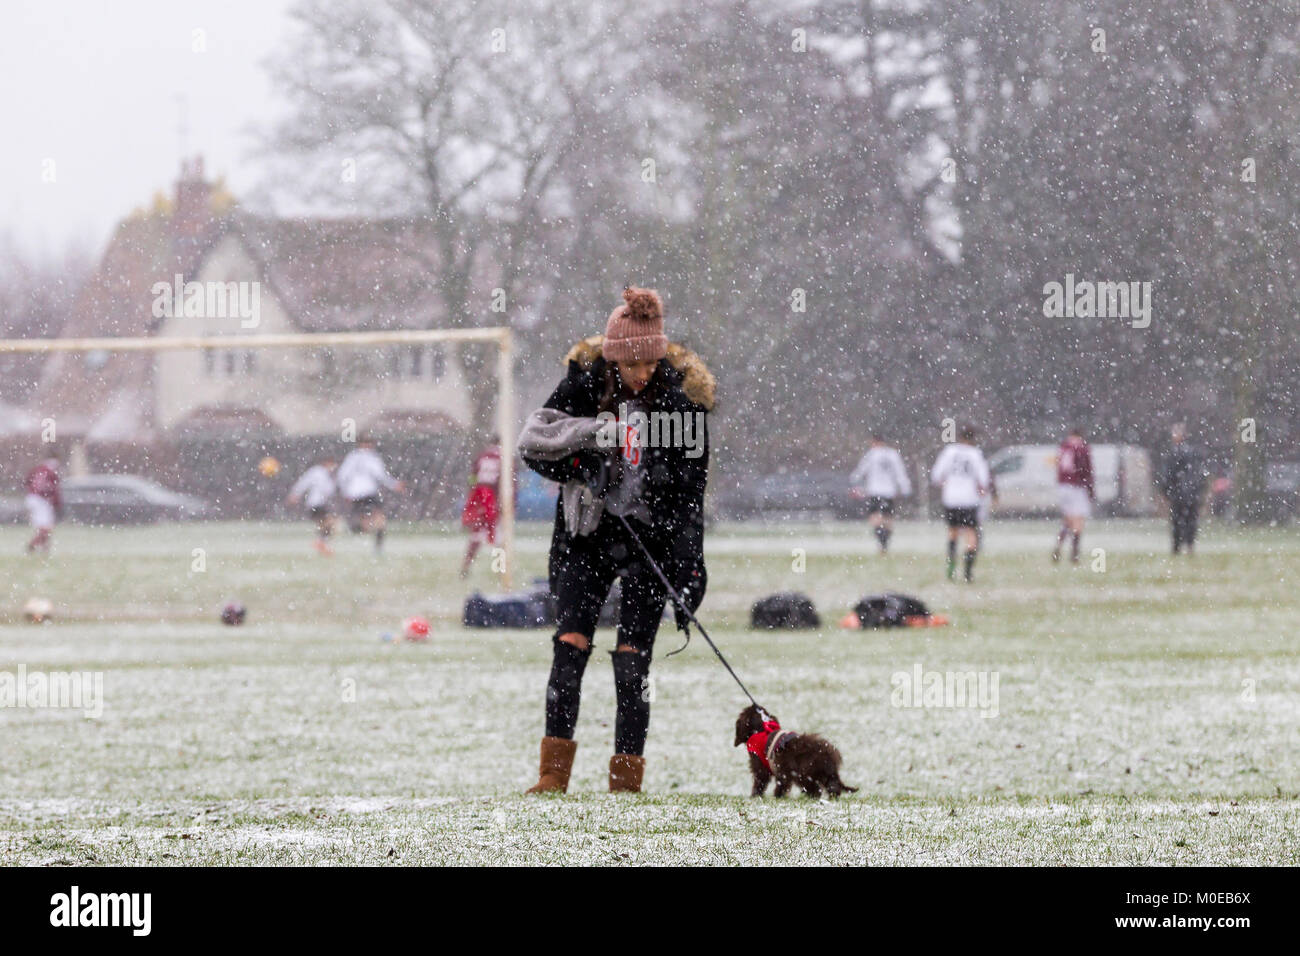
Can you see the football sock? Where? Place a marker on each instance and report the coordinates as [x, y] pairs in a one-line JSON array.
[[970, 563], [881, 536], [889, 533], [470, 553], [1074, 549], [952, 557]]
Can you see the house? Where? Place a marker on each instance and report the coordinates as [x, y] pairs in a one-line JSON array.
[[299, 275]]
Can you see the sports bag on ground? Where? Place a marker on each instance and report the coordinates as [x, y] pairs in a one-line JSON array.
[[890, 609], [788, 610], [532, 608]]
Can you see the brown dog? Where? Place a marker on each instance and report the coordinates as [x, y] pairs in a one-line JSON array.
[[806, 759]]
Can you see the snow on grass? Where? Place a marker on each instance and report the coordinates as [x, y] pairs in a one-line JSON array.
[[1146, 713], [599, 829]]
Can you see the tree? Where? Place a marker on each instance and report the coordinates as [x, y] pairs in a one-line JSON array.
[[461, 113], [35, 295]]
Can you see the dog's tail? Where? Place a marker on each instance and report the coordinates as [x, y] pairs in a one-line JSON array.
[[838, 786]]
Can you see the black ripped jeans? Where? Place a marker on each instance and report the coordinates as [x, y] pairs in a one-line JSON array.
[[582, 579]]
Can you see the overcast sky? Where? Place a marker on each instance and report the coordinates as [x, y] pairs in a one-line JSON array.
[[96, 86]]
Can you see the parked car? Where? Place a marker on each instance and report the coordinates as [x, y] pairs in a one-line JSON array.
[[1279, 502], [116, 499], [127, 499], [1282, 491], [1026, 480], [818, 493]]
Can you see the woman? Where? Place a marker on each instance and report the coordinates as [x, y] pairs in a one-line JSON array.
[[617, 466]]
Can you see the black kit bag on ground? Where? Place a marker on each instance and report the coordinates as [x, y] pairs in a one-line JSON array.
[[788, 610], [890, 609], [532, 608]]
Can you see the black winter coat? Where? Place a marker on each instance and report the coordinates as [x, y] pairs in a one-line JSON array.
[[674, 483], [1184, 473]]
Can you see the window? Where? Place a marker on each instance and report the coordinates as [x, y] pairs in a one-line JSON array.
[[229, 362], [418, 362], [1007, 465]]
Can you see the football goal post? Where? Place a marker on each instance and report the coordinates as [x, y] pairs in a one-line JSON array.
[[298, 378]]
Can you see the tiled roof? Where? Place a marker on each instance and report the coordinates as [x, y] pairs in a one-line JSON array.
[[329, 275], [342, 275]]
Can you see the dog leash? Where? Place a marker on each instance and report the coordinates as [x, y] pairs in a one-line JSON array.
[[680, 603]]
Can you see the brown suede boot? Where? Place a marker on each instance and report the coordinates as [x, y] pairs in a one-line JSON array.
[[557, 762], [625, 772]]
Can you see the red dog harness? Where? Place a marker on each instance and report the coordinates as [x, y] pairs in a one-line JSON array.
[[768, 741]]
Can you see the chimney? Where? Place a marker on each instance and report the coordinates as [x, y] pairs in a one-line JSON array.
[[193, 210]]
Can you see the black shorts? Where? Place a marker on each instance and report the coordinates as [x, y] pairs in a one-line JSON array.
[[366, 506], [582, 576], [320, 513], [962, 517], [878, 504]]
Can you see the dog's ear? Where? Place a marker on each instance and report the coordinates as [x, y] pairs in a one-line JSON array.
[[743, 724]]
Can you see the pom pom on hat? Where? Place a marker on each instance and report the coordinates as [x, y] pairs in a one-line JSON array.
[[635, 330]]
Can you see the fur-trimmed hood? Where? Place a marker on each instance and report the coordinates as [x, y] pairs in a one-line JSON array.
[[698, 382]]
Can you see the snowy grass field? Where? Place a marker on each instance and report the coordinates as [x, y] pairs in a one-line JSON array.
[[1147, 713]]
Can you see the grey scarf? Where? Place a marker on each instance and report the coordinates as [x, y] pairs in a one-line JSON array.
[[549, 435]]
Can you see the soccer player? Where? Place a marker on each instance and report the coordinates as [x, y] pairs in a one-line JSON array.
[[315, 489], [360, 476], [882, 478], [962, 474], [44, 501], [1182, 483], [1075, 490], [480, 515]]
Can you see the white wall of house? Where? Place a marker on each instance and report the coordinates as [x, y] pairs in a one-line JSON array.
[[304, 391]]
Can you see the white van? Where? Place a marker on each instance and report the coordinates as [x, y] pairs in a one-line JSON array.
[[1026, 480]]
